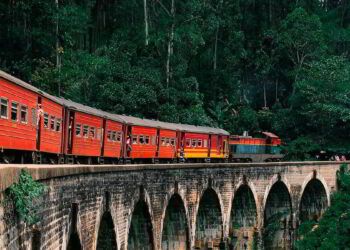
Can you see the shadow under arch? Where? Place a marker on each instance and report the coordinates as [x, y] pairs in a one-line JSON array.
[[175, 234], [140, 236], [209, 221], [278, 217], [74, 239], [313, 201], [106, 239]]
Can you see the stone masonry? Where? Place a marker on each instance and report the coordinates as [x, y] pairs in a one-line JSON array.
[[135, 201]]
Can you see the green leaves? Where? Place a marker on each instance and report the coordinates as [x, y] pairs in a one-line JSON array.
[[24, 195]]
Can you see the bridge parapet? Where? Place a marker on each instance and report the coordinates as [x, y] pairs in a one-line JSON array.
[[147, 204]]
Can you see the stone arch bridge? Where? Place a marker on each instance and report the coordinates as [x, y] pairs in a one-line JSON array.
[[175, 206]]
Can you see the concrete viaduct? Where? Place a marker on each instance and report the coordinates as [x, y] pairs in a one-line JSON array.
[[174, 206]]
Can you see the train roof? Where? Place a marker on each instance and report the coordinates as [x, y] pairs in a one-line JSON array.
[[119, 118]]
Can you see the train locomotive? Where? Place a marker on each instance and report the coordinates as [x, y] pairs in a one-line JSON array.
[[36, 127]]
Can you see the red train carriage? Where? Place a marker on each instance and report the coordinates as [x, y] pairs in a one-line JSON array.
[[113, 138], [17, 121]]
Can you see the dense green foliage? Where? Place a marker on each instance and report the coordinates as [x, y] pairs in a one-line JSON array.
[[23, 195], [333, 230], [281, 66]]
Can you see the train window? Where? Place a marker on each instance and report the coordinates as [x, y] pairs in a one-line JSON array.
[[86, 131], [172, 141], [134, 139], [188, 142], [58, 125], [163, 141], [194, 143], [52, 123], [34, 121], [205, 143], [114, 136], [119, 136], [167, 141], [147, 139], [4, 108], [92, 132], [142, 139], [14, 111], [109, 135], [199, 143], [46, 120], [78, 130], [24, 114]]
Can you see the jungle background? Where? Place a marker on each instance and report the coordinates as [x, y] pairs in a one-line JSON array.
[[243, 65]]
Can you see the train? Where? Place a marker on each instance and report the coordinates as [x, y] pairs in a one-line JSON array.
[[39, 128]]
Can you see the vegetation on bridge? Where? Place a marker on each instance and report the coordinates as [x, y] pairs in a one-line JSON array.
[[248, 65], [332, 231]]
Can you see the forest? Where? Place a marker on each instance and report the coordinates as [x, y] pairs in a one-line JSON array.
[[243, 65]]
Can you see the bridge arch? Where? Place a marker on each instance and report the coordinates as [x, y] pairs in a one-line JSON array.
[[278, 214], [140, 223], [314, 197], [209, 219], [175, 231], [74, 241]]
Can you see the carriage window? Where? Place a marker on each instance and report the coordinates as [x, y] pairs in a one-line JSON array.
[[114, 136], [4, 108], [172, 141], [78, 130], [199, 143], [167, 141], [109, 135], [147, 140], [92, 132], [142, 139], [58, 125], [85, 131], [205, 143], [134, 139], [14, 111], [34, 121], [46, 120], [52, 123], [163, 141], [188, 142], [119, 136], [194, 143], [24, 114]]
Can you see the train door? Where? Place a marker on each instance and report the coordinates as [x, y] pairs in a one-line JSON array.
[[209, 146], [71, 120], [102, 136], [219, 144], [128, 142], [39, 113], [180, 144], [157, 142]]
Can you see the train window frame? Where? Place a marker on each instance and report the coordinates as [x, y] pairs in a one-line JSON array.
[[142, 139], [172, 142], [12, 109], [46, 120], [194, 143], [163, 143], [147, 139], [199, 143], [58, 124], [188, 142], [134, 140], [119, 136], [78, 130], [109, 135], [86, 131], [92, 132], [2, 105], [114, 136], [167, 141], [52, 123], [23, 110]]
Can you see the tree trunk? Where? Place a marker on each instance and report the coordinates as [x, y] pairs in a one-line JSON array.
[[215, 48], [170, 45], [146, 21]]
